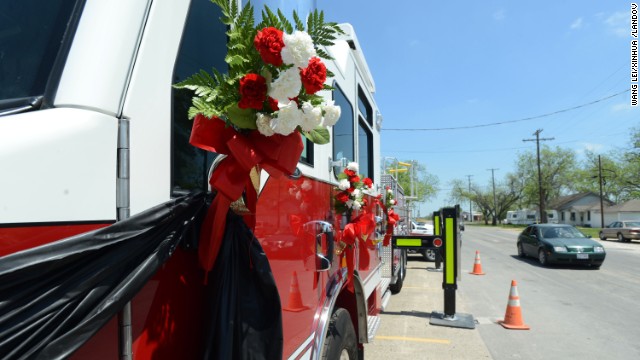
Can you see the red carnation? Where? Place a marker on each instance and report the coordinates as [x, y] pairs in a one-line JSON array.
[[350, 173], [368, 182], [313, 76], [343, 197], [273, 104], [269, 44], [253, 91], [354, 179]]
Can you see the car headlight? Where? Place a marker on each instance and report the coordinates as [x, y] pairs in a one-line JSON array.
[[598, 249], [560, 249]]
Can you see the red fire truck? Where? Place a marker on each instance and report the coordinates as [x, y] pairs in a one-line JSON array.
[[92, 132]]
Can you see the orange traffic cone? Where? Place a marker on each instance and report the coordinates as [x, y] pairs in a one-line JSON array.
[[513, 317], [477, 266], [295, 297]]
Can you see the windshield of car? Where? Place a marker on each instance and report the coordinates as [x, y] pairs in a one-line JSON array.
[[561, 232], [31, 33]]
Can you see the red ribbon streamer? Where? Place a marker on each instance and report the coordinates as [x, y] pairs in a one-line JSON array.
[[276, 154]]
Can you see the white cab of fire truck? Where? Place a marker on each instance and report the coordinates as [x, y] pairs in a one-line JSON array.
[[91, 131]]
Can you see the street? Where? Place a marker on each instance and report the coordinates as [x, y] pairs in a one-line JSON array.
[[573, 312]]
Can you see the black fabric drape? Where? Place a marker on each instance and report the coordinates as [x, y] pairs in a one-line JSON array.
[[53, 298], [245, 316]]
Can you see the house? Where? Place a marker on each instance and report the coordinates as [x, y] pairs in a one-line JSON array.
[[629, 210], [579, 209]]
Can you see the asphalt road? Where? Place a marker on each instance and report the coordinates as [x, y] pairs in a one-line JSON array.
[[573, 312]]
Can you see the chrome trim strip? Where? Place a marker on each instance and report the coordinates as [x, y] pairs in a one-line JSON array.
[[306, 345]]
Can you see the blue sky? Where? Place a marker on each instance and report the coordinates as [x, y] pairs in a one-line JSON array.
[[444, 64]]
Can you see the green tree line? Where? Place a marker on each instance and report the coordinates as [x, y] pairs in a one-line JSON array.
[[561, 174]]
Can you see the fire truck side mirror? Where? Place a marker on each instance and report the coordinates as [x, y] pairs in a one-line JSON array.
[[337, 165]]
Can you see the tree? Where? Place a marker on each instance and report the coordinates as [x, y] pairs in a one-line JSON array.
[[587, 178], [425, 183], [558, 167], [507, 193], [630, 168]]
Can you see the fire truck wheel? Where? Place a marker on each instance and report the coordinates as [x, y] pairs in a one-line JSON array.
[[397, 286], [341, 338]]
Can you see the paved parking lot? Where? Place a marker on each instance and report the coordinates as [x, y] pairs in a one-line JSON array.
[[405, 332]]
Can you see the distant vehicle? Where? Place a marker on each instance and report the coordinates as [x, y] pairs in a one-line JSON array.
[[528, 217], [422, 228], [622, 230], [561, 244]]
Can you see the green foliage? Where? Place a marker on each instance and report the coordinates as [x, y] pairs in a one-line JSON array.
[[319, 135]]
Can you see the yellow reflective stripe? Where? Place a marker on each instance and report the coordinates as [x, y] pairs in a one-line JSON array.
[[436, 225], [408, 242], [449, 244]]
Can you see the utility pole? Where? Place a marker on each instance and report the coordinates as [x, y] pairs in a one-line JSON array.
[[495, 203], [600, 181], [543, 214], [470, 209]]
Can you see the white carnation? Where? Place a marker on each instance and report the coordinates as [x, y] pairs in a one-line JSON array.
[[298, 49], [356, 205], [331, 114], [288, 117], [357, 193], [312, 117], [344, 184], [263, 122], [353, 166], [286, 86]]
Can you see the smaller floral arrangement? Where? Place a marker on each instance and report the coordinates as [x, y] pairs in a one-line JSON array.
[[389, 199], [351, 190]]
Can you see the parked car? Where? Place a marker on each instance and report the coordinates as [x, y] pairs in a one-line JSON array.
[[622, 230], [422, 228], [561, 244]]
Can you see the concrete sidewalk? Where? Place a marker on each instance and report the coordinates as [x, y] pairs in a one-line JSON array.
[[405, 332]]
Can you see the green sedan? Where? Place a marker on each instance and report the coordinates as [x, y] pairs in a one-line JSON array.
[[560, 244]]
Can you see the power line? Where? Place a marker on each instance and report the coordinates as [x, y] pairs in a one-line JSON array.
[[512, 121]]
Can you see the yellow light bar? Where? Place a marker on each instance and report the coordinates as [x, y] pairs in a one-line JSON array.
[[397, 170], [404, 163], [408, 242]]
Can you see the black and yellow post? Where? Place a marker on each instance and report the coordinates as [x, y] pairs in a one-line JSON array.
[[451, 235], [437, 224]]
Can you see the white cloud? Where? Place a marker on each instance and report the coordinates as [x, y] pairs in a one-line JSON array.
[[591, 147], [576, 24], [500, 14], [620, 107], [618, 23]]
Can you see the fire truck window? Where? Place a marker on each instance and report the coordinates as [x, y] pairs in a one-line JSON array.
[[364, 106], [190, 166], [365, 149], [343, 142], [307, 153], [31, 35]]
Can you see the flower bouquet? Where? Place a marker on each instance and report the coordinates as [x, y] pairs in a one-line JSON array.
[[275, 74], [256, 113]]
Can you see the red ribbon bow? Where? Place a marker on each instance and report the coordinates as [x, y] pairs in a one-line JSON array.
[[276, 154], [361, 229]]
